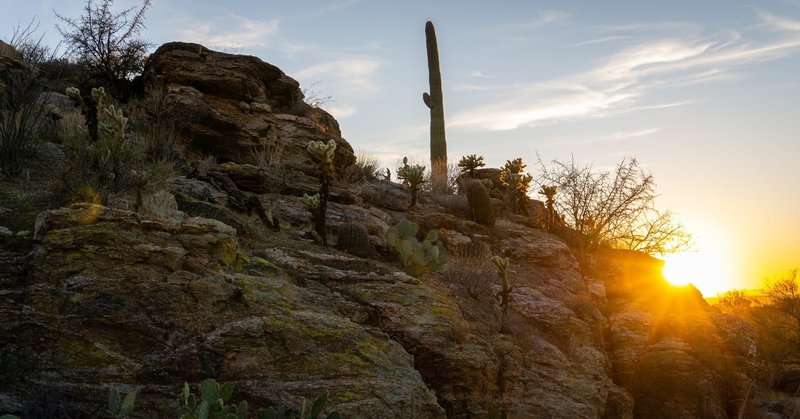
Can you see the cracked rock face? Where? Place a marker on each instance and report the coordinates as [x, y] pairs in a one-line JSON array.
[[118, 300], [235, 107]]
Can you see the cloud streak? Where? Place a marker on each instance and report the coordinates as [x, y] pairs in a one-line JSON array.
[[352, 73], [235, 33], [620, 82]]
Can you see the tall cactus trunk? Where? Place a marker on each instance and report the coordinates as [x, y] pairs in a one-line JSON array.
[[435, 103]]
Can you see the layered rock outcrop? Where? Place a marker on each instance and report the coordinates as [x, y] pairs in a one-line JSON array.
[[236, 107], [109, 298]]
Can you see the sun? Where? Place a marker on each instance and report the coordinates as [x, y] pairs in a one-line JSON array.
[[706, 270]]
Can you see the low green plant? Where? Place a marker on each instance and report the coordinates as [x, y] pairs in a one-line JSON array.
[[417, 257], [120, 408], [413, 175], [213, 402]]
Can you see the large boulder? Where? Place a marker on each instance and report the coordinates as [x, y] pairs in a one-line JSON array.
[[236, 106]]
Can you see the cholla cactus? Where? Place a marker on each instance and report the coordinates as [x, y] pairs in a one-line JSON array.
[[470, 164], [550, 193], [116, 129], [90, 107], [504, 296], [323, 153], [310, 203], [516, 183], [413, 176]]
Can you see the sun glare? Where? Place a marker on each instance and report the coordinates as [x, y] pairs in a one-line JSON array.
[[705, 270]]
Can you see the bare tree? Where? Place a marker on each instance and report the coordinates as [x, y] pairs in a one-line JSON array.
[[656, 232], [30, 47], [107, 41], [735, 302], [778, 323], [613, 208]]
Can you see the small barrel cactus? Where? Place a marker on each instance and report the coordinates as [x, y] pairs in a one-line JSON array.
[[353, 239], [480, 203]]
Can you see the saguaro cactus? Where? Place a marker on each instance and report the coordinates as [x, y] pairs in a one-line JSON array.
[[435, 102]]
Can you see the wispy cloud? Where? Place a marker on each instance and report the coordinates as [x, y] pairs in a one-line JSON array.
[[600, 40], [620, 82], [478, 74], [338, 5], [341, 112], [615, 136], [353, 73], [231, 32], [546, 17], [777, 22]]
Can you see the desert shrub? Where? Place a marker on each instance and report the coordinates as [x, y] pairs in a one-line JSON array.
[[268, 155], [470, 272], [22, 121], [154, 120], [107, 42], [613, 208], [735, 302], [365, 168], [30, 47]]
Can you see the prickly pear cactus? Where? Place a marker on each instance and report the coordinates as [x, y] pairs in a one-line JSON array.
[[417, 257]]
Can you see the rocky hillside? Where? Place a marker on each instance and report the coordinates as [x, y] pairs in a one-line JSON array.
[[192, 287]]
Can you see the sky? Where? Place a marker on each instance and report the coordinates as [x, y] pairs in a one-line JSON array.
[[704, 94]]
